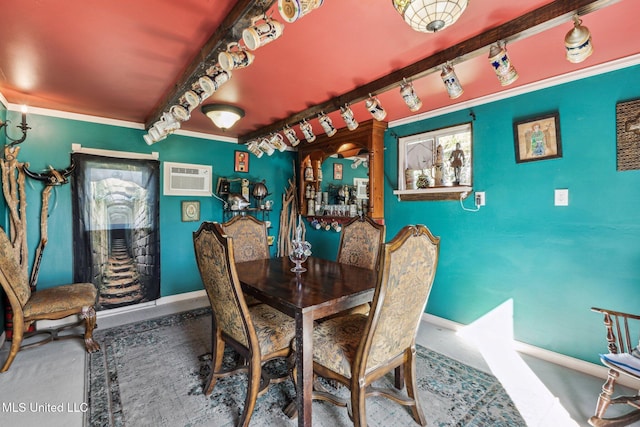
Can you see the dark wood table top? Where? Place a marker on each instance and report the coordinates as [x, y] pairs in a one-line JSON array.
[[327, 287]]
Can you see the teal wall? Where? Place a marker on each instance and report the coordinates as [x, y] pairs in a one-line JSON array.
[[49, 143], [553, 262]]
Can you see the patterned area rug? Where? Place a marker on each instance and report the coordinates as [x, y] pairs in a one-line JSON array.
[[152, 373]]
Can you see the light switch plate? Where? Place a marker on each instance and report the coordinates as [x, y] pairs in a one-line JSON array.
[[561, 197]]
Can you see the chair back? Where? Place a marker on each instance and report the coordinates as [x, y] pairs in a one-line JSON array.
[[249, 238], [214, 255], [405, 281], [361, 242], [12, 276]]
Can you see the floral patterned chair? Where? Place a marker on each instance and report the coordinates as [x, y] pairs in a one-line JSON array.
[[623, 358], [249, 241], [259, 333], [361, 242], [356, 350], [249, 237], [50, 304]]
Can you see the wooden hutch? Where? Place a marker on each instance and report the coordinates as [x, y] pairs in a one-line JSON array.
[[368, 137]]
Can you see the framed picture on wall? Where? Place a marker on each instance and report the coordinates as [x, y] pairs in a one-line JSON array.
[[362, 187], [241, 162], [337, 171], [537, 138], [190, 210]]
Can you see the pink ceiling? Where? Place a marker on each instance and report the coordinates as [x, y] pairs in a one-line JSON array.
[[118, 59]]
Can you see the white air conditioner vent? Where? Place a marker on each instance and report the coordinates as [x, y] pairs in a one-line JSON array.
[[181, 179]]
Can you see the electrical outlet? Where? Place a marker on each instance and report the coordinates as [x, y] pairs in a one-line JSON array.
[[480, 201], [561, 197]]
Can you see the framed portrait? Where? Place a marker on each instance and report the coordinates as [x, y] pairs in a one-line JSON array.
[[337, 171], [190, 210], [241, 163], [537, 138], [361, 185]]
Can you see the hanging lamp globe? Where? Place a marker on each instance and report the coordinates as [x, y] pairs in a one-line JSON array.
[[429, 16]]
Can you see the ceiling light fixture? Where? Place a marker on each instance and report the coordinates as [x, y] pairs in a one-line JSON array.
[[222, 115], [429, 16]]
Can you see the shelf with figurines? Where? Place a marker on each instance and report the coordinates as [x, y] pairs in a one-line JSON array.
[[243, 197], [338, 204]]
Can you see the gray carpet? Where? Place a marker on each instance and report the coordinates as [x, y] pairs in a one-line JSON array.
[[152, 373]]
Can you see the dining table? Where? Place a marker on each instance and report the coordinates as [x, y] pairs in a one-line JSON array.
[[324, 289]]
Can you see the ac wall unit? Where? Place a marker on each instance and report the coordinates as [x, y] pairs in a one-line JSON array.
[[182, 179]]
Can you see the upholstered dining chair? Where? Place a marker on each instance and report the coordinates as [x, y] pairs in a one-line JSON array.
[[46, 304], [356, 350], [623, 359], [249, 237], [259, 333], [250, 241], [361, 241]]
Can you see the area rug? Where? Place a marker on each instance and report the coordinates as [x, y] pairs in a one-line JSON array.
[[152, 373]]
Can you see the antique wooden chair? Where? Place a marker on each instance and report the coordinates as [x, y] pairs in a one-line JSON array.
[[620, 328], [361, 243], [249, 237], [50, 304], [259, 333], [250, 241], [356, 350]]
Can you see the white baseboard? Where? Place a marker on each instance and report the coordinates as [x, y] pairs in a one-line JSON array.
[[568, 362], [171, 299]]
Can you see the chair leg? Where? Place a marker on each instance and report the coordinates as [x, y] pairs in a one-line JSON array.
[[607, 392], [359, 413], [606, 398], [16, 341], [89, 315], [410, 380], [217, 354], [253, 386]]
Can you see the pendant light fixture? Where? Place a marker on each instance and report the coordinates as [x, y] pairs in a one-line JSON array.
[[429, 16]]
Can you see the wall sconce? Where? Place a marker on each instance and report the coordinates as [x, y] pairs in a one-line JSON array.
[[454, 88], [222, 115], [429, 16], [578, 42], [22, 126], [499, 59]]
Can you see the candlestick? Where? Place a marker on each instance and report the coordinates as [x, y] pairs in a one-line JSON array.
[[24, 115]]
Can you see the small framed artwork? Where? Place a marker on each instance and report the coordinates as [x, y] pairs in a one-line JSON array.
[[337, 171], [190, 210], [537, 138], [361, 185], [241, 161]]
